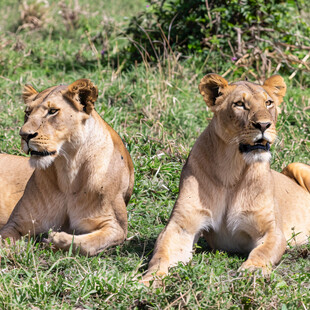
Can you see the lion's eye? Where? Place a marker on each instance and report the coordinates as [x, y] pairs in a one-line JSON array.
[[269, 103], [239, 104], [26, 116], [52, 111]]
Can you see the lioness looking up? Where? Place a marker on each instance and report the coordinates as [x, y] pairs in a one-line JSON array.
[[83, 174], [227, 189]]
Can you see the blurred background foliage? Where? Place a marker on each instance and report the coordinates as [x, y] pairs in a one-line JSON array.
[[261, 36], [236, 37]]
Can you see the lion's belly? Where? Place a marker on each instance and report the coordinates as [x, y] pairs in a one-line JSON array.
[[231, 241]]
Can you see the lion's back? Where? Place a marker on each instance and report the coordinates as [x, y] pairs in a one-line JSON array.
[[15, 172]]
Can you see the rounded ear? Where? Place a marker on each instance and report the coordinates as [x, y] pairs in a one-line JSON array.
[[28, 91], [275, 85], [83, 94], [211, 86]]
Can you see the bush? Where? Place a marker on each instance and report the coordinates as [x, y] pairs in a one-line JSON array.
[[256, 34]]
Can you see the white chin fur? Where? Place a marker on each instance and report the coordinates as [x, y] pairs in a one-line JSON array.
[[256, 156], [39, 162]]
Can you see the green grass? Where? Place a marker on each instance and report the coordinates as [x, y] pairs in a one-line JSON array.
[[159, 113]]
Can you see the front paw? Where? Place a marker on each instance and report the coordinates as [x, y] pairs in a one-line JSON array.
[[154, 279], [255, 266], [58, 239]]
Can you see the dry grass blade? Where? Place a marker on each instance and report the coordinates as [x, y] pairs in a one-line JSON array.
[[33, 16], [70, 15]]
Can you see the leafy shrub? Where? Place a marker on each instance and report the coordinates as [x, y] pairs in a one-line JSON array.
[[267, 30]]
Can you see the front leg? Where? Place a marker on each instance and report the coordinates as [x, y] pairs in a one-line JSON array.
[[268, 252], [175, 243], [257, 212]]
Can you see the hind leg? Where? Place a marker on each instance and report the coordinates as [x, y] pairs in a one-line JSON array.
[[300, 173], [90, 243], [95, 232]]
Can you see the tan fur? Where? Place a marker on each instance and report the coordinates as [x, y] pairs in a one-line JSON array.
[[80, 188], [229, 194], [300, 173], [15, 172]]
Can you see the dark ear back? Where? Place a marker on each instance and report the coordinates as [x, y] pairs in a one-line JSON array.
[[211, 86], [83, 94], [275, 85], [28, 91]]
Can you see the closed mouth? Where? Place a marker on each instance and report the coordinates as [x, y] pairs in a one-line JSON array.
[[44, 153], [258, 145]]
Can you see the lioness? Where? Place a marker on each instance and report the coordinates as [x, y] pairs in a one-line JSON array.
[[227, 189], [83, 174]]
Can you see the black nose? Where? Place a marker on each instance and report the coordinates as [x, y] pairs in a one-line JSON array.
[[27, 136], [262, 126]]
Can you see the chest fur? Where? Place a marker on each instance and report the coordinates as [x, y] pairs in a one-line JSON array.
[[241, 214]]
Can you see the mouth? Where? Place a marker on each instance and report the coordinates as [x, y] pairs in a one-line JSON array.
[[44, 153], [258, 145]]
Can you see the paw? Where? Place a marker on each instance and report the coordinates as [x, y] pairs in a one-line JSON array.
[[154, 279], [255, 267], [60, 240], [145, 281]]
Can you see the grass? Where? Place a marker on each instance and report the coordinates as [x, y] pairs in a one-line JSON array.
[[159, 113]]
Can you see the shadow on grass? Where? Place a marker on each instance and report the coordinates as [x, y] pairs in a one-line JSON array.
[[203, 247], [142, 247]]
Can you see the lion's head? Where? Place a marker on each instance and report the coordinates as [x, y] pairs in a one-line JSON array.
[[245, 113], [54, 119]]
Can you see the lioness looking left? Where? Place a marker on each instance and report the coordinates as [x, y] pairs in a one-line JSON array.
[[83, 174]]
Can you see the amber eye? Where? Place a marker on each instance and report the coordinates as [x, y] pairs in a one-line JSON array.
[[269, 103], [239, 104], [52, 111]]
